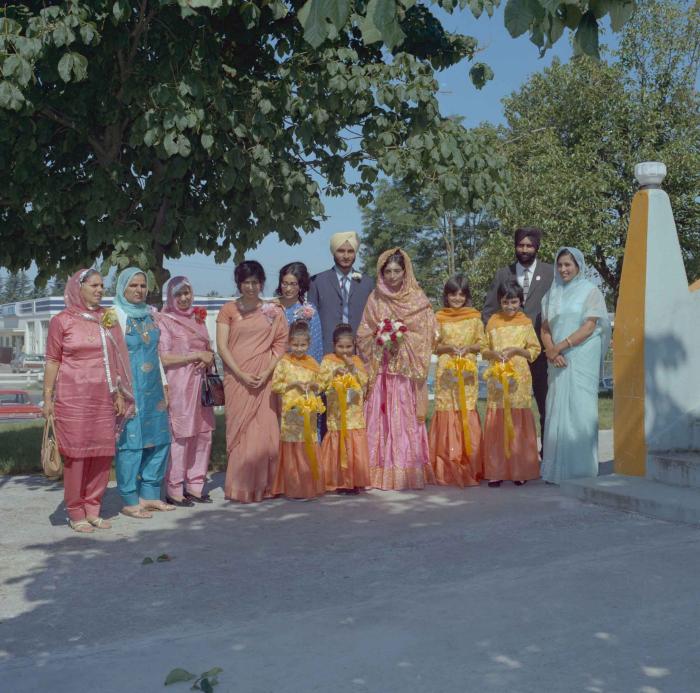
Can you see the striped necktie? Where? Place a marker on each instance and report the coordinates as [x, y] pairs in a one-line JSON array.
[[526, 283], [345, 294]]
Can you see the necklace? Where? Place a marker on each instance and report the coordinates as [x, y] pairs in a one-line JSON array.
[[141, 329]]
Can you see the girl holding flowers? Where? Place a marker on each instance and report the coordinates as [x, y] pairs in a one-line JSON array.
[[344, 451], [510, 437], [398, 361], [455, 429], [296, 380]]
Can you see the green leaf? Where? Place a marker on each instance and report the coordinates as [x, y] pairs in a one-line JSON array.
[[170, 145], [480, 73], [65, 66], [518, 16], [207, 140], [383, 15], [313, 20], [10, 96], [178, 676], [147, 561], [586, 38], [212, 672], [184, 148], [620, 13]]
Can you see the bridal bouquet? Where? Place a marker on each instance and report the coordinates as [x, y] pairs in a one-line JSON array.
[[390, 333]]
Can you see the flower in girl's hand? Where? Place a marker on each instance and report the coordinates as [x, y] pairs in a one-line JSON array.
[[109, 318], [200, 314]]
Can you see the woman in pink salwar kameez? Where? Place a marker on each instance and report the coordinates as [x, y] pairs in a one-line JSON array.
[[398, 399], [186, 354], [87, 389], [251, 337]]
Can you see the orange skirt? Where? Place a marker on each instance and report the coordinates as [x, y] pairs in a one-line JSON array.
[[448, 458], [294, 478], [356, 474], [523, 463]]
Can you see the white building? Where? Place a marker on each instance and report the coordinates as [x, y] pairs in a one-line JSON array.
[[24, 325]]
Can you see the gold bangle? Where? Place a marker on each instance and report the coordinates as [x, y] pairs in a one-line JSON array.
[[568, 341]]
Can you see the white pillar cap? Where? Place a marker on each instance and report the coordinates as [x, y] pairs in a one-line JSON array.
[[650, 173]]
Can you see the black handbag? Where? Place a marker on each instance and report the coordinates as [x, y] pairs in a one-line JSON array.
[[212, 389]]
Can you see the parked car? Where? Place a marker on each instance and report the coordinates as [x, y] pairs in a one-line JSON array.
[[27, 362], [16, 404]]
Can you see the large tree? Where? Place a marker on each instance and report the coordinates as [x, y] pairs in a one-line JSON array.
[[576, 131], [135, 130]]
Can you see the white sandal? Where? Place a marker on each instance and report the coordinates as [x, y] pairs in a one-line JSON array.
[[99, 522], [81, 526]]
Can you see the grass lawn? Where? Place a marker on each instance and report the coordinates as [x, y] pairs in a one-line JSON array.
[[20, 443]]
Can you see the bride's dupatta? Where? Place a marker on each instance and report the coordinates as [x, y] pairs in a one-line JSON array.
[[409, 305]]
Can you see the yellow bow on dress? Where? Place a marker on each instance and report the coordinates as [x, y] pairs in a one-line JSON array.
[[341, 384], [504, 373], [461, 365], [308, 404]]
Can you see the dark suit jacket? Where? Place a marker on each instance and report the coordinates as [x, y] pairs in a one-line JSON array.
[[324, 293], [539, 286]]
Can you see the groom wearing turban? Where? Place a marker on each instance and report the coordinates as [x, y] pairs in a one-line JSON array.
[[341, 292]]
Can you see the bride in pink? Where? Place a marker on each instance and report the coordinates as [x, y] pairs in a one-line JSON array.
[[398, 398]]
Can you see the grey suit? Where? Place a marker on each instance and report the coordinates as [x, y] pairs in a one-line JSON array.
[[539, 286], [324, 293]]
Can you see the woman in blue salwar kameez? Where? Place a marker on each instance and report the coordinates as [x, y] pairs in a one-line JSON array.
[[144, 446]]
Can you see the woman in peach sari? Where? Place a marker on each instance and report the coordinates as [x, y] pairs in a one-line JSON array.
[[251, 336], [398, 398]]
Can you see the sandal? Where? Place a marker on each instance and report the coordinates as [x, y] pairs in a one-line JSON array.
[[157, 505], [81, 526], [204, 498], [99, 522], [139, 514]]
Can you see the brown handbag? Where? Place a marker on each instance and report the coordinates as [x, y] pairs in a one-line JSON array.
[[51, 461], [212, 389]]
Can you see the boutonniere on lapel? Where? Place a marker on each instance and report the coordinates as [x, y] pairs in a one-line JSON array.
[[356, 276]]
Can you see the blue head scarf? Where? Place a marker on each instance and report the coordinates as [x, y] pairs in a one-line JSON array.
[[132, 310], [578, 291]]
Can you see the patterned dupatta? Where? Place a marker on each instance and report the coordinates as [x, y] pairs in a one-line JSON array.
[[409, 305]]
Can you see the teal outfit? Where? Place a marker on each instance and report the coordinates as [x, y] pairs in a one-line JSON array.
[[570, 446], [143, 448]]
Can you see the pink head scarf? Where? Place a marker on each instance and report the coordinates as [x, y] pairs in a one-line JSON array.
[[197, 330], [71, 295]]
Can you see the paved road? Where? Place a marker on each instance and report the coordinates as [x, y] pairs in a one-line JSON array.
[[476, 590]]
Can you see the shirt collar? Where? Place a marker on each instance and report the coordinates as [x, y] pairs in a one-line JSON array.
[[520, 270], [340, 274]]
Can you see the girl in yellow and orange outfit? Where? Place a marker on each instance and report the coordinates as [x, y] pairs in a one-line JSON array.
[[456, 458], [348, 472], [299, 474], [510, 452]]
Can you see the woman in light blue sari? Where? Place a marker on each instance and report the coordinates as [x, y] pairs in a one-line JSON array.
[[144, 446], [576, 335]]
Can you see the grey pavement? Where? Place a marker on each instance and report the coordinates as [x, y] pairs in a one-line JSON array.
[[474, 590]]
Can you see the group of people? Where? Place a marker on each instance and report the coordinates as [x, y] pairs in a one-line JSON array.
[[326, 385]]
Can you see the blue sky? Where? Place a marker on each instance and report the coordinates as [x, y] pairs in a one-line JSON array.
[[512, 60]]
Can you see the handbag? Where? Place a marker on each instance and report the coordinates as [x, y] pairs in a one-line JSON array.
[[51, 461], [212, 389]]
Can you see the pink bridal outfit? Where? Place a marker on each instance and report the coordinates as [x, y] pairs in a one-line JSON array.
[[191, 424], [397, 403], [256, 338], [86, 425]]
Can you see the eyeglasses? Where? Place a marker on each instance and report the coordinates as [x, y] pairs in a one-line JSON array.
[[289, 285]]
